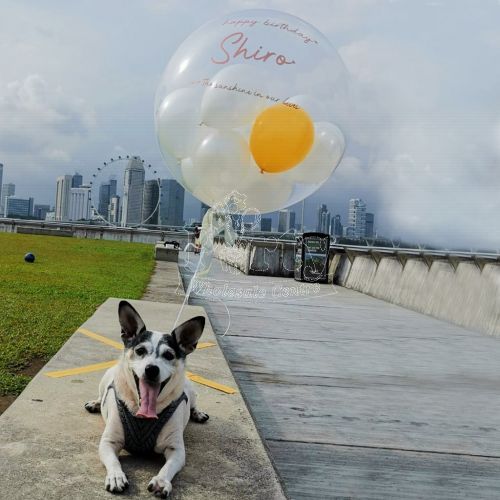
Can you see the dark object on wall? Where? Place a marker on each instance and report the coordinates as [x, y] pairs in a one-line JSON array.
[[311, 257]]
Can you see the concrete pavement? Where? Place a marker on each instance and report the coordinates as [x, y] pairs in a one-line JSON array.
[[48, 442]]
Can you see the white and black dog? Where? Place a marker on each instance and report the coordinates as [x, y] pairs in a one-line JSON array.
[[146, 400]]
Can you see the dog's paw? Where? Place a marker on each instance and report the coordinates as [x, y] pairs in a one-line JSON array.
[[159, 487], [198, 416], [93, 406], [116, 482]]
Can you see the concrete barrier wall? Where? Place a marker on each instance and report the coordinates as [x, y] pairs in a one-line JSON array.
[[134, 235], [464, 292]]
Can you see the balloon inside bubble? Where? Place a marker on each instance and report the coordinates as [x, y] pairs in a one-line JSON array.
[[253, 102], [281, 137]]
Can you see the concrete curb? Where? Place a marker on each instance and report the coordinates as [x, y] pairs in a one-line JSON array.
[[48, 442]]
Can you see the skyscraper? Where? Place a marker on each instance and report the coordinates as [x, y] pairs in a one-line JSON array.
[[18, 207], [291, 221], [106, 192], [40, 211], [370, 220], [336, 228], [357, 217], [324, 217], [266, 224], [79, 205], [63, 197], [77, 180], [133, 189], [7, 190], [283, 221], [114, 210], [151, 198], [1, 178], [171, 203]]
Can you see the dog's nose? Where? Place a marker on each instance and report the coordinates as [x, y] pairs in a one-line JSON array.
[[152, 372]]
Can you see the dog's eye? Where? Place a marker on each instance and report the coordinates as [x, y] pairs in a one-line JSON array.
[[168, 355], [141, 351]]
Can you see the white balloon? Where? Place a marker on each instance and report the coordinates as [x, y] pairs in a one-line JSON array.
[[235, 97], [264, 191], [326, 153], [312, 106], [178, 122], [221, 164]]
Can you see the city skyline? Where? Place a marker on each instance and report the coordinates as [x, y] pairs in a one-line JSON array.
[[109, 206], [424, 132]]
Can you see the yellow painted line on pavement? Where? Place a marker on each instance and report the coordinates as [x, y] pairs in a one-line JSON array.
[[101, 338], [108, 364], [82, 369], [210, 383], [204, 345], [117, 345]]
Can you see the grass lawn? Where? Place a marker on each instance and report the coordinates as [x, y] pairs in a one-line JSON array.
[[42, 304]]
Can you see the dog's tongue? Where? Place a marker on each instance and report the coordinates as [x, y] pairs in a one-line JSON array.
[[149, 395]]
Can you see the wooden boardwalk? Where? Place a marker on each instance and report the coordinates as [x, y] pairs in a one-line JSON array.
[[358, 398]]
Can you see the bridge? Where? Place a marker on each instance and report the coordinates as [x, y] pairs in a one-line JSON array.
[[382, 384], [358, 398]]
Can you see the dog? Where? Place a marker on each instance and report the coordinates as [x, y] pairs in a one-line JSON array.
[[146, 400]]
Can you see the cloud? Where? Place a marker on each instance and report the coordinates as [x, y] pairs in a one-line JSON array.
[[41, 120], [429, 164]]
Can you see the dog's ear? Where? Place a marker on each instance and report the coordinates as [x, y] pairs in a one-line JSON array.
[[130, 321], [188, 334]]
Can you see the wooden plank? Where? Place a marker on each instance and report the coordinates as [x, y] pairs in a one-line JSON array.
[[357, 381], [313, 471], [376, 413]]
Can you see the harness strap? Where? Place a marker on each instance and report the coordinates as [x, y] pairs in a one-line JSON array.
[[141, 434]]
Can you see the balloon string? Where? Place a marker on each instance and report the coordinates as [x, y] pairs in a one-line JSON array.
[[207, 227], [189, 289]]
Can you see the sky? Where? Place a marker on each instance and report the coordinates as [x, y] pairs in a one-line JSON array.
[[78, 79]]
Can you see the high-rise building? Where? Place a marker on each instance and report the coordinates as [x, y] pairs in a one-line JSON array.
[[204, 210], [348, 231], [336, 228], [291, 221], [370, 221], [63, 190], [266, 224], [133, 189], [1, 180], [283, 221], [171, 203], [7, 190], [18, 207], [357, 217], [106, 192], [79, 204], [323, 225], [40, 211], [77, 180], [114, 210], [150, 202]]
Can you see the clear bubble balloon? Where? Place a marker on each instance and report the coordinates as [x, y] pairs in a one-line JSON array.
[[222, 79]]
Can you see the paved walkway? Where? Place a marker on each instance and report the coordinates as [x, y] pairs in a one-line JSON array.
[[359, 398], [49, 443]]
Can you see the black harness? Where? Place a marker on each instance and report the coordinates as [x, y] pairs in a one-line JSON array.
[[141, 433]]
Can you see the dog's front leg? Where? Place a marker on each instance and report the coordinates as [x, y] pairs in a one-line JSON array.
[[175, 457], [110, 446]]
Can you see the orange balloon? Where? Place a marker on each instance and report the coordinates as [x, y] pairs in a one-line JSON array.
[[281, 137]]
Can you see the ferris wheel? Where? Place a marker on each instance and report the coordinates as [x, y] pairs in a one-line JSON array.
[[108, 189]]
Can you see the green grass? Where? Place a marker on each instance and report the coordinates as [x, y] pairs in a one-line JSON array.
[[42, 304]]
